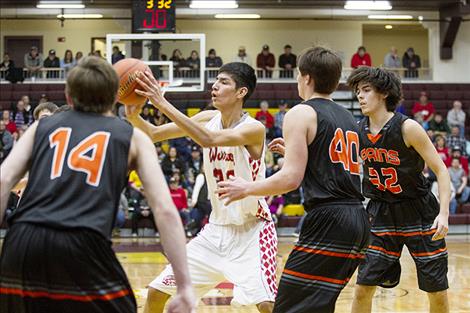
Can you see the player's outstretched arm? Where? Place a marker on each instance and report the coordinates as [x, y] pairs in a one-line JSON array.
[[15, 166], [416, 137], [144, 157], [247, 135], [299, 129], [167, 131]]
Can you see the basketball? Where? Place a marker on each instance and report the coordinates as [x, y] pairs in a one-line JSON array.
[[127, 70]]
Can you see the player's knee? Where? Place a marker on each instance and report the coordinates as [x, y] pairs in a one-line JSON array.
[[362, 292], [265, 307], [438, 297]]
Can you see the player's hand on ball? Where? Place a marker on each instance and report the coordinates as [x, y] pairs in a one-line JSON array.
[[151, 89], [233, 189], [441, 223], [183, 302], [277, 146]]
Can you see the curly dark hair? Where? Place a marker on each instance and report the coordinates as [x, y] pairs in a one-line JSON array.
[[242, 74], [383, 81]]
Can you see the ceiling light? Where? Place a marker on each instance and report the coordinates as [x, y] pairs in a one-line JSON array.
[[390, 17], [388, 26], [80, 16], [60, 5], [213, 4], [367, 5], [420, 18], [235, 16]]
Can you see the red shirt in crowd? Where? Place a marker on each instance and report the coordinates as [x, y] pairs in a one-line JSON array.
[[443, 153], [357, 61], [268, 116], [463, 162], [426, 110], [179, 198], [11, 127]]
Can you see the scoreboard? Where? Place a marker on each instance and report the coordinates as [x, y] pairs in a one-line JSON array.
[[153, 16]]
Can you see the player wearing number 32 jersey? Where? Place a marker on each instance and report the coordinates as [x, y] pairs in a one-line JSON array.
[[239, 244]]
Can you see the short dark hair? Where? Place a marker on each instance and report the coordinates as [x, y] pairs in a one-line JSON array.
[[323, 66], [243, 75], [93, 85], [49, 106], [382, 80]]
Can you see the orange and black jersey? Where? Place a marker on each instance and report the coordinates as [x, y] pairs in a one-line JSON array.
[[332, 172], [393, 172], [78, 169]]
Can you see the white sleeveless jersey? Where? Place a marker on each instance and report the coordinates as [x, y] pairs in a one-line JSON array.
[[221, 163]]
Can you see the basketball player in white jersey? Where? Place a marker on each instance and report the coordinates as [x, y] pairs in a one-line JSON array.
[[239, 244]]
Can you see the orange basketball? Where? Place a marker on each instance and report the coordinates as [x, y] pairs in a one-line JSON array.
[[127, 70]]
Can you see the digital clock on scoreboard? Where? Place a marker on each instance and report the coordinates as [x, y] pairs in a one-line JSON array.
[[153, 16]]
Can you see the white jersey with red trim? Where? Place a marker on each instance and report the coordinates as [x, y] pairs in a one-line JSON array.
[[221, 163]]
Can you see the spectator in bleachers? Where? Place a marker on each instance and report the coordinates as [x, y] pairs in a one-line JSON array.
[[242, 56], [172, 162], [438, 126], [400, 108], [117, 55], [9, 123], [180, 199], [279, 118], [361, 58], [212, 60], [287, 61], [194, 164], [194, 63], [97, 53], [276, 204], [52, 61], [43, 99], [441, 147], [200, 203], [7, 63], [67, 63], [454, 140], [33, 62], [122, 213], [265, 61], [178, 62], [44, 109], [459, 181], [457, 153], [6, 141], [28, 107], [136, 191], [392, 60], [147, 115], [264, 107], [423, 110], [141, 211], [456, 117], [412, 62], [183, 147], [20, 116], [78, 56]]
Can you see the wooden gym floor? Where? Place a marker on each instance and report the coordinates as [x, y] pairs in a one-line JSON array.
[[143, 261]]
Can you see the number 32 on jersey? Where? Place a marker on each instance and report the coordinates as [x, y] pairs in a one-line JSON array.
[[78, 160]]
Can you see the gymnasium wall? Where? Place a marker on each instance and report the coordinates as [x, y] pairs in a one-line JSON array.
[[226, 36], [378, 41]]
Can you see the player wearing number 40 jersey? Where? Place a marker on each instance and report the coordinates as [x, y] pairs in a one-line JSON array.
[[321, 153], [57, 256], [402, 209], [239, 244]]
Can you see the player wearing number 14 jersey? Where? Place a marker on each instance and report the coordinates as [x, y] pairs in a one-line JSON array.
[[402, 209], [57, 255]]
